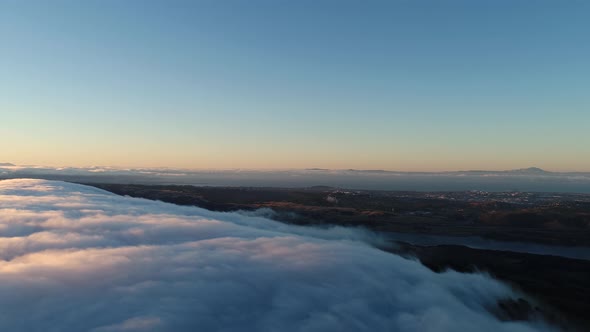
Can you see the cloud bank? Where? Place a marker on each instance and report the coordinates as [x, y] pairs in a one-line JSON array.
[[76, 258]]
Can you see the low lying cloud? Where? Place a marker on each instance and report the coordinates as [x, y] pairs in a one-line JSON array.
[[76, 258]]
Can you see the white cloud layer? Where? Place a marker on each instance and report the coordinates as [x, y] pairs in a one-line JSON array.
[[75, 258]]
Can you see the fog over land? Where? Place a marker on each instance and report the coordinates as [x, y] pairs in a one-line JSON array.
[[527, 179], [76, 258]]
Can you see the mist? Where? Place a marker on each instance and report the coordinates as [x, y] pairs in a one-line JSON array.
[[531, 179]]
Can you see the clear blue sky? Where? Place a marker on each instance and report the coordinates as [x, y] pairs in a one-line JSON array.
[[401, 85]]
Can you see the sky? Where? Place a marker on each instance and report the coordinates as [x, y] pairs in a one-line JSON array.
[[396, 85]]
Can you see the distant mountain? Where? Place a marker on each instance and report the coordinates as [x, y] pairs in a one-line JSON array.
[[378, 171], [530, 170], [519, 171], [7, 164]]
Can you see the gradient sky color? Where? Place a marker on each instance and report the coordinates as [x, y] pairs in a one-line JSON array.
[[398, 85]]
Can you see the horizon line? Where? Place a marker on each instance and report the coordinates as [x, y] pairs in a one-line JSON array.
[[58, 167]]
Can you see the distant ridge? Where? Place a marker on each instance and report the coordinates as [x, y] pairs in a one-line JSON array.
[[524, 171], [532, 179], [530, 170], [118, 171]]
